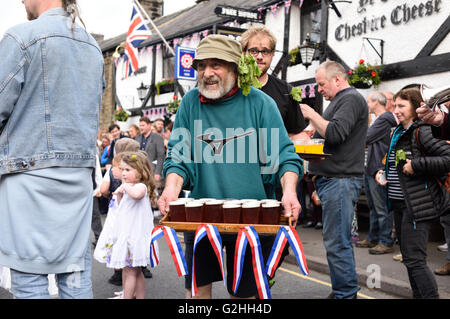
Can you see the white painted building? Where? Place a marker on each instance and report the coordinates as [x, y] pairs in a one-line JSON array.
[[414, 34]]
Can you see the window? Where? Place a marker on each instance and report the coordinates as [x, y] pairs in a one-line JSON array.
[[311, 19], [168, 66]]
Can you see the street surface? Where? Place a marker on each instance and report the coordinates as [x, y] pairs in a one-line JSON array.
[[165, 284]]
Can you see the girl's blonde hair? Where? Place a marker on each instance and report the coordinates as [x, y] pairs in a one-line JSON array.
[[71, 6], [140, 162]]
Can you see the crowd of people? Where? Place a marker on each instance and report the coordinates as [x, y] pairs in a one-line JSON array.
[[49, 162]]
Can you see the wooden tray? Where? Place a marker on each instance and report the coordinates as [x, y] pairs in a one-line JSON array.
[[261, 229], [313, 156]]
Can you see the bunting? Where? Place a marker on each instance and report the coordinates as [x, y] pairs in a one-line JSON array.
[[287, 6], [274, 9]]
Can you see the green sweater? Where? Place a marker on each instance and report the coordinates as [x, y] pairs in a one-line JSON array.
[[235, 148]]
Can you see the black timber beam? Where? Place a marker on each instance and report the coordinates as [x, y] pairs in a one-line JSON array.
[[436, 39], [417, 67]]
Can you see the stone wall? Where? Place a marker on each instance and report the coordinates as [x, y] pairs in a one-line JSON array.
[[108, 101]]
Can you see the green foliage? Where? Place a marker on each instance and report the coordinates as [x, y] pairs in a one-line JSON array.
[[248, 74], [163, 83], [121, 115], [364, 75], [294, 54], [400, 155], [296, 94], [174, 104]]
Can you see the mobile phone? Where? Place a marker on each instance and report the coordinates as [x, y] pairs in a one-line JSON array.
[[382, 178]]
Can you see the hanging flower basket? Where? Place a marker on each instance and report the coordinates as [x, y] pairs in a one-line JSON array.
[[121, 115], [294, 56], [174, 104], [364, 76], [165, 86]]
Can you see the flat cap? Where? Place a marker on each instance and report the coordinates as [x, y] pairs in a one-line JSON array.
[[218, 47]]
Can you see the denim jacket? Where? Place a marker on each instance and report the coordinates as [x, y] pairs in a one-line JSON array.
[[51, 85]]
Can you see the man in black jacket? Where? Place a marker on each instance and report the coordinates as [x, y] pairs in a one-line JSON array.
[[379, 240], [339, 177]]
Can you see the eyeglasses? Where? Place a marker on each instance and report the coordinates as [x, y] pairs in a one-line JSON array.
[[255, 52]]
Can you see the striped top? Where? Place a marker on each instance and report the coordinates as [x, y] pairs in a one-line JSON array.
[[394, 187]]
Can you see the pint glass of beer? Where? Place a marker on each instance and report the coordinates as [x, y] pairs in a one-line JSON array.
[[194, 211], [213, 211], [231, 213], [250, 212], [176, 211], [271, 212]]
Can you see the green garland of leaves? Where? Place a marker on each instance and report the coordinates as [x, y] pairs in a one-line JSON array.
[[296, 94], [400, 155], [249, 73]]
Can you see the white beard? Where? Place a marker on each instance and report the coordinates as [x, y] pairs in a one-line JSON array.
[[223, 89]]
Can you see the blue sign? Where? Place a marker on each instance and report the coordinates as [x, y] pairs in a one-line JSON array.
[[183, 64]]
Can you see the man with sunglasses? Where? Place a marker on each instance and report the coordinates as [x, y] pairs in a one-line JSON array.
[[261, 42]]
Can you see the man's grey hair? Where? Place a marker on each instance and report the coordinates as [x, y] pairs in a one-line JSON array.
[[332, 69], [379, 97]]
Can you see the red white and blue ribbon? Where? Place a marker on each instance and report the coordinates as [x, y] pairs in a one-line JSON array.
[[174, 246], [249, 235], [284, 235], [216, 242]]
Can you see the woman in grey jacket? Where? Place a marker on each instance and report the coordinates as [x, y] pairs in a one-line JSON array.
[[415, 160]]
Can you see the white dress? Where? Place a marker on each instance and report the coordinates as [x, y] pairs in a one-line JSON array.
[[126, 235]]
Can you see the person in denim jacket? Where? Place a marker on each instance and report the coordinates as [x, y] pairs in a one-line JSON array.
[[51, 85]]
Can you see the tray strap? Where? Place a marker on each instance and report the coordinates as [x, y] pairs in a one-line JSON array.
[[285, 234], [216, 242], [249, 235], [174, 246]]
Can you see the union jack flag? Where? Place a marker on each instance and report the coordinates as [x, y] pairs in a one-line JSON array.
[[137, 33]]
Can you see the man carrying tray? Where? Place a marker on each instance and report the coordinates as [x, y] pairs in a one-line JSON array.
[[227, 145], [339, 178]]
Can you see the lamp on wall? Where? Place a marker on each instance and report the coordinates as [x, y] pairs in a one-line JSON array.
[[142, 91], [308, 51]]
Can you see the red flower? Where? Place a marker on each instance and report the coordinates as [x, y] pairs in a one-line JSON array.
[[361, 61], [374, 74]]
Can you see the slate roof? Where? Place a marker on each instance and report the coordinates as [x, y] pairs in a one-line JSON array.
[[188, 21]]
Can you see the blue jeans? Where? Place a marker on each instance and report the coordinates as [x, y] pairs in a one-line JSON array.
[[71, 285], [339, 197], [381, 219]]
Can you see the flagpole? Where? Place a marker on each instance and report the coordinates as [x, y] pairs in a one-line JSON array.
[[154, 26]]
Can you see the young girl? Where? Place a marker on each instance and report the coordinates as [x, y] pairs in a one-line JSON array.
[[126, 243]]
